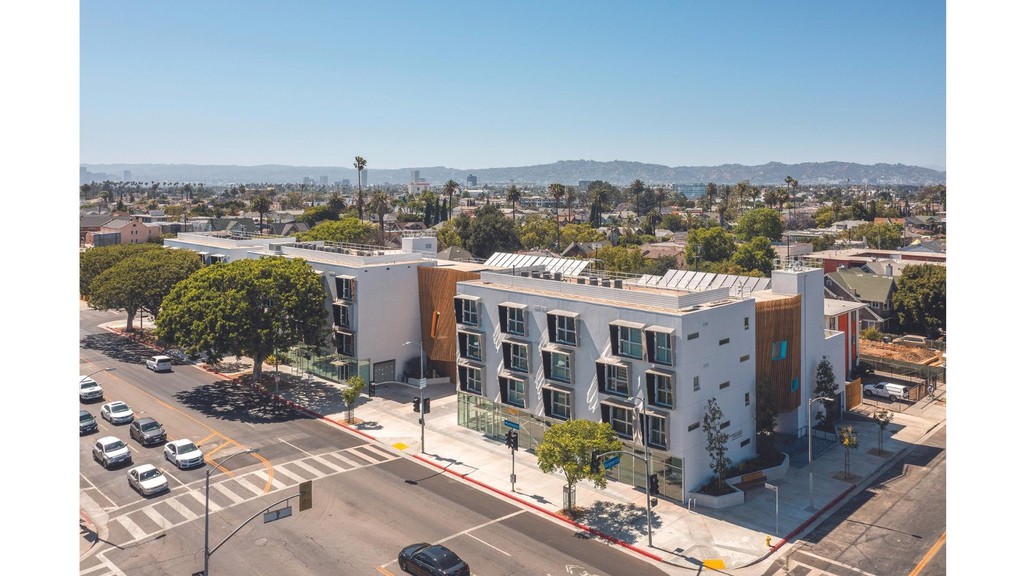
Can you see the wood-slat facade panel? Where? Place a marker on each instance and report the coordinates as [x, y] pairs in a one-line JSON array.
[[776, 321], [436, 288]]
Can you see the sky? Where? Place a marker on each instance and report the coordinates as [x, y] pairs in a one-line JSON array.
[[404, 86], [481, 84]]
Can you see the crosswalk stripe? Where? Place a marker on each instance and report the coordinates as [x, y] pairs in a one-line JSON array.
[[348, 461], [132, 527], [201, 499], [284, 472], [376, 450], [328, 463], [181, 509], [235, 498], [317, 473], [275, 483], [249, 485], [164, 523]]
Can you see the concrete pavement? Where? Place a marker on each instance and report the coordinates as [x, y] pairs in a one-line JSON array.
[[683, 537]]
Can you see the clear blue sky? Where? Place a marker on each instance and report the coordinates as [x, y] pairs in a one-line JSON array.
[[483, 84]]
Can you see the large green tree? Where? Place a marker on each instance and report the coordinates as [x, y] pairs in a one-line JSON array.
[[490, 231], [920, 299], [759, 222], [345, 231], [94, 261], [826, 387], [568, 447], [756, 255], [716, 442], [140, 282], [245, 308], [622, 259], [712, 244], [538, 232]]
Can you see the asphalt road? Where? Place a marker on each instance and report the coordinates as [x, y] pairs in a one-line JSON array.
[[896, 526], [369, 500]]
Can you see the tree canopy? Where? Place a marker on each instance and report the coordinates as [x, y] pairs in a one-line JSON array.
[[920, 299], [347, 230], [756, 255], [759, 222], [245, 308], [568, 447], [95, 261], [711, 244], [489, 232], [141, 281]]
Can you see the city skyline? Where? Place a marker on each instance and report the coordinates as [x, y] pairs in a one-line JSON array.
[[472, 85]]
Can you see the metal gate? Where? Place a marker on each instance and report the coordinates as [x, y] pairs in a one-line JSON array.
[[384, 371]]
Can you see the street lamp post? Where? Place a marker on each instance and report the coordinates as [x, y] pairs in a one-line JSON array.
[[206, 508], [421, 385], [811, 400], [97, 372], [648, 467]]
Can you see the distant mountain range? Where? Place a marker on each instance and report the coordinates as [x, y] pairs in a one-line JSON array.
[[616, 172]]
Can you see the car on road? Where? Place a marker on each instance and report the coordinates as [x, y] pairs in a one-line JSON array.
[[109, 451], [147, 432], [887, 390], [147, 479], [89, 389], [183, 453], [117, 412], [86, 423], [159, 363], [425, 559]]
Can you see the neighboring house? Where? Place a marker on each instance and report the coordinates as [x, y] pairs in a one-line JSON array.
[[457, 254], [658, 250], [876, 291], [584, 249], [90, 223], [541, 347], [234, 224], [831, 260], [129, 230], [843, 316], [291, 228]]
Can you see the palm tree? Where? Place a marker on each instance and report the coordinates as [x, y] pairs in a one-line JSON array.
[[360, 164], [558, 191], [380, 205], [792, 184], [636, 188], [513, 196], [262, 205], [448, 189]]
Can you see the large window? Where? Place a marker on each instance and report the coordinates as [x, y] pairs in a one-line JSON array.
[[660, 388], [558, 365], [514, 356], [512, 391], [779, 350], [626, 338], [613, 378], [470, 379], [466, 310], [512, 319], [621, 418], [343, 315], [557, 402], [660, 345], [470, 346], [345, 287], [563, 327], [655, 430], [344, 344]]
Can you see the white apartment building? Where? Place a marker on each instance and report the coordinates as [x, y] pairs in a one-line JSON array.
[[536, 348]]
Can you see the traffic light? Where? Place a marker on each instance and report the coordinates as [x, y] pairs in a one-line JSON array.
[[305, 495], [512, 440], [653, 484], [427, 405], [416, 404], [372, 389], [594, 462]]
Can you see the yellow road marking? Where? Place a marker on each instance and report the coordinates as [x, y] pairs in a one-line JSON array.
[[930, 554]]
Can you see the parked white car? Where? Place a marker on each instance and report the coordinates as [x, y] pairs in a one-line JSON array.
[[183, 453], [147, 479], [117, 412], [89, 389], [887, 390]]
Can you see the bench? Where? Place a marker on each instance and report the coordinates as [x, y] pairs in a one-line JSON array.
[[752, 480]]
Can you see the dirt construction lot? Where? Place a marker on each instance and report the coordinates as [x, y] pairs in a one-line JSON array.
[[900, 352]]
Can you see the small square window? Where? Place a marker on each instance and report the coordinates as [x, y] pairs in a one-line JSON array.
[[746, 442], [745, 358], [748, 398], [779, 350], [696, 384], [693, 336], [725, 425], [724, 341], [746, 322], [693, 427], [725, 384]]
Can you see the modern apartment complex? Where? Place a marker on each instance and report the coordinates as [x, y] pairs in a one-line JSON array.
[[537, 346]]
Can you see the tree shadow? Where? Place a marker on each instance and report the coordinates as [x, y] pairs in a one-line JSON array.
[[625, 522], [235, 401], [118, 347]]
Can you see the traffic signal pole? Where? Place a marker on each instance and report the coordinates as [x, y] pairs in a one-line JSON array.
[[513, 443]]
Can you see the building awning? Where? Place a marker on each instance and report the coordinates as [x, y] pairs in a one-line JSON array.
[[468, 297], [564, 313], [626, 324], [217, 255], [557, 348], [204, 253], [618, 403], [557, 387], [611, 361], [513, 375], [514, 305], [660, 329]]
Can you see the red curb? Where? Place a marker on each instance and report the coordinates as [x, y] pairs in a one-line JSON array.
[[805, 524]]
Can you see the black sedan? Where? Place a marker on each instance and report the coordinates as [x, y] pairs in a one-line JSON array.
[[425, 559], [147, 432]]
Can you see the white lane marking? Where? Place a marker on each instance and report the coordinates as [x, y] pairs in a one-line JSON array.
[[489, 545], [836, 563], [294, 446]]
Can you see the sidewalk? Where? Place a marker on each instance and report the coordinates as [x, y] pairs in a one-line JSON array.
[[683, 538], [730, 538]]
